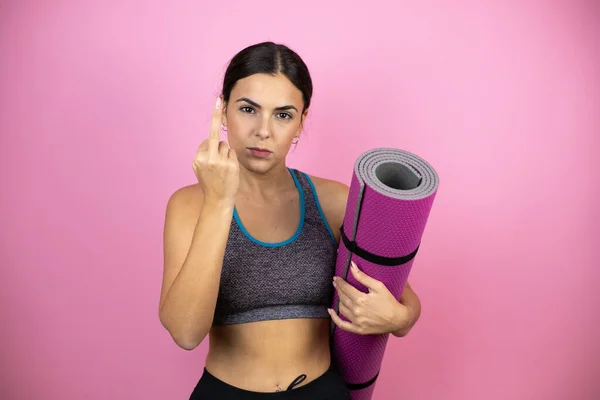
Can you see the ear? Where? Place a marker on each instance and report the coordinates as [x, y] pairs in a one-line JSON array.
[[304, 116]]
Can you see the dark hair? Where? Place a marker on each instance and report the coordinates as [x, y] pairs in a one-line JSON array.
[[268, 58]]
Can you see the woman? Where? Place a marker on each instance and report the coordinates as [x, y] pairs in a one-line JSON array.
[[249, 251]]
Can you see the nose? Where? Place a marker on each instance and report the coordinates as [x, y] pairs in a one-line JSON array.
[[264, 129]]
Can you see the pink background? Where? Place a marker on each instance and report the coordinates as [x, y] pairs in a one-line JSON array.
[[102, 107]]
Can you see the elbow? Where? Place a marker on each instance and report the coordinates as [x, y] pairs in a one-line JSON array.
[[400, 333], [186, 342], [405, 330], [186, 338]]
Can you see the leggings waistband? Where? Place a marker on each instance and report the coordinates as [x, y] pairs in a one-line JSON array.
[[328, 385]]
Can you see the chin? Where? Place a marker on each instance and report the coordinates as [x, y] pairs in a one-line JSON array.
[[258, 166]]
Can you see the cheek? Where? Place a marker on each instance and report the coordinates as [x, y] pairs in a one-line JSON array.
[[234, 121], [237, 127], [284, 134], [286, 129]]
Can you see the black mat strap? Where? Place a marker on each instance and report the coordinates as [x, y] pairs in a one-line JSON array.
[[359, 386], [374, 258]]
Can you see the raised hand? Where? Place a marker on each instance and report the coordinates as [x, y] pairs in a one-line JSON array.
[[216, 165]]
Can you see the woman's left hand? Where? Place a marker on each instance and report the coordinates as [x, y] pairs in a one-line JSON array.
[[375, 312]]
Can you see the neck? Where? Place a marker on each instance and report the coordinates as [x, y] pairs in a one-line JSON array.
[[263, 186]]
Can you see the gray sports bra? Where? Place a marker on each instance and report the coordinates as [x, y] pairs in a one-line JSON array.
[[290, 279]]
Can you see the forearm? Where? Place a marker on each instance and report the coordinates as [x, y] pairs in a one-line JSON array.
[[411, 301], [188, 308]]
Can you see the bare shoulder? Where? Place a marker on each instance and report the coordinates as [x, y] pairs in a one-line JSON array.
[[333, 196], [181, 216], [186, 200]]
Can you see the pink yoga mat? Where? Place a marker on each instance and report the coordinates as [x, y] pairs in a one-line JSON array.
[[391, 195]]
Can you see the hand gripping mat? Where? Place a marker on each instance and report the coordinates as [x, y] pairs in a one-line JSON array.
[[390, 198]]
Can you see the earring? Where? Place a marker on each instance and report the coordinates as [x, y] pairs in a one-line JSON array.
[[295, 140], [223, 128]]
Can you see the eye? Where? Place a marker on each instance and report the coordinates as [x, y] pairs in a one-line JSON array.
[[247, 109], [285, 115]]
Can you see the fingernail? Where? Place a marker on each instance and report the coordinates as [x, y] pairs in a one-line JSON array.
[[218, 105], [354, 266]]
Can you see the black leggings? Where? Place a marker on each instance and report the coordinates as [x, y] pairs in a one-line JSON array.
[[329, 386]]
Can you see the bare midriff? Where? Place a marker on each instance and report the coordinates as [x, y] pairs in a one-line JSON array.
[[266, 355]]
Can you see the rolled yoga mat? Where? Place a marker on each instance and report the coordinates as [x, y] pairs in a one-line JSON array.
[[390, 198]]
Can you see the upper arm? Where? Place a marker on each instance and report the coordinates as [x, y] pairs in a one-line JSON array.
[[182, 211], [333, 197]]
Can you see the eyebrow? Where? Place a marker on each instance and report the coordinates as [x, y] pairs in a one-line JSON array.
[[255, 104]]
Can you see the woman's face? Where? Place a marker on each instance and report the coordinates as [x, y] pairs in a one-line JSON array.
[[263, 116]]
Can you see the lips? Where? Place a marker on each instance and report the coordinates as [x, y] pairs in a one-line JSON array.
[[259, 152]]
